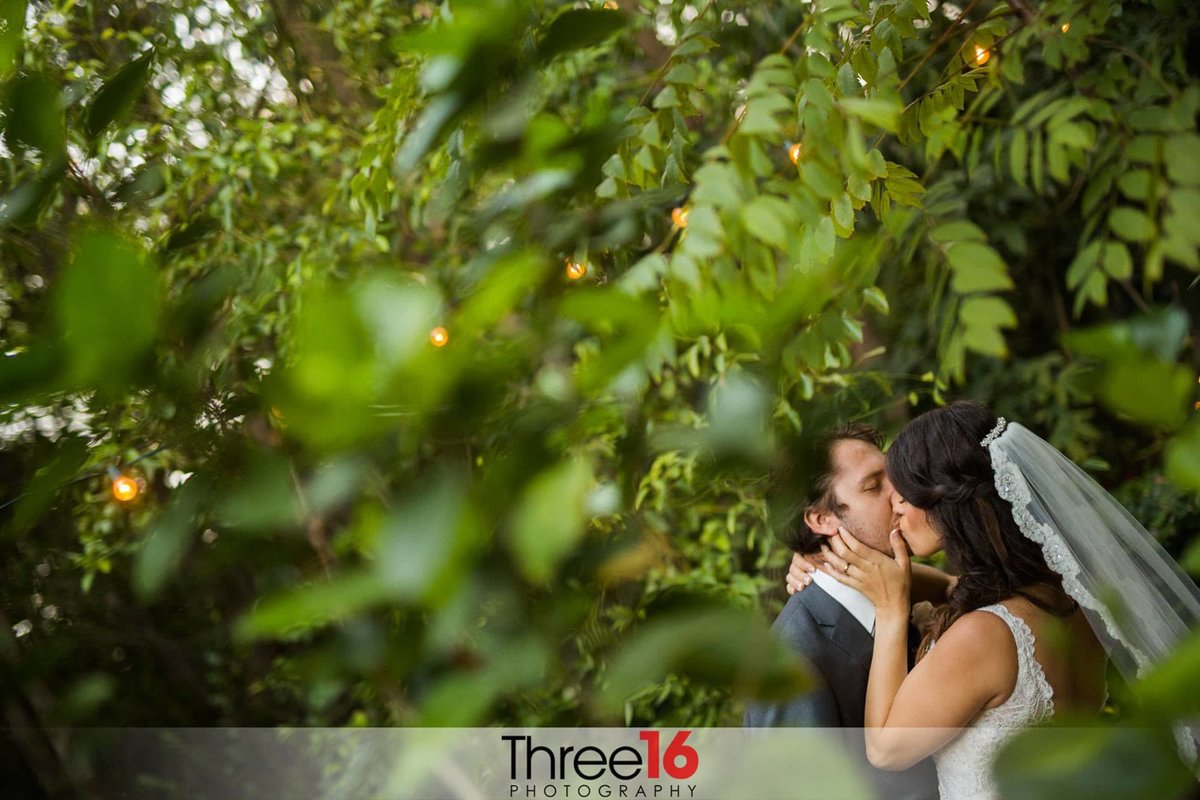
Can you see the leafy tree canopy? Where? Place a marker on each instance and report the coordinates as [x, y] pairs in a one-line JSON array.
[[452, 348]]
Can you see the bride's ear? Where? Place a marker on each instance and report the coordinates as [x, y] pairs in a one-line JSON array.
[[821, 523]]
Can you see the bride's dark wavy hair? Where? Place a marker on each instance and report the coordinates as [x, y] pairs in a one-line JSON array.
[[938, 464]]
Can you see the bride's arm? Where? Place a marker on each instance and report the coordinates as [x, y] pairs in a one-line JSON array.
[[929, 584], [910, 716]]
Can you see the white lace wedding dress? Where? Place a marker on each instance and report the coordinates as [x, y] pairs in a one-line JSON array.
[[964, 766]]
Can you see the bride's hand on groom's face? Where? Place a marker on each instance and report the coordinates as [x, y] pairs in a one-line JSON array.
[[885, 580]]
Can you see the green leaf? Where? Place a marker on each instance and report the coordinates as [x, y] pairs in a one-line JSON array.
[[262, 498], [767, 219], [1169, 692], [1116, 261], [313, 606], [1148, 391], [667, 98], [31, 372], [23, 205], [107, 307], [650, 133], [695, 45], [643, 275], [1036, 163], [859, 188], [117, 95], [1182, 459], [33, 115], [578, 28], [420, 539], [759, 121], [976, 268], [433, 122], [681, 73], [818, 176], [992, 312], [882, 113], [1131, 224], [1159, 335], [843, 212], [1144, 148], [718, 184], [1074, 135], [1135, 184], [715, 646], [1179, 154], [549, 518], [12, 27], [1185, 203], [986, 340], [958, 231], [164, 547], [1019, 156], [982, 319], [876, 299], [1085, 261], [1111, 762]]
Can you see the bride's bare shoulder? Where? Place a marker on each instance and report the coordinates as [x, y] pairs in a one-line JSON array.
[[977, 627], [978, 636]]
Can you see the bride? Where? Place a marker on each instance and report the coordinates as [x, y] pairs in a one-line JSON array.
[[1034, 543]]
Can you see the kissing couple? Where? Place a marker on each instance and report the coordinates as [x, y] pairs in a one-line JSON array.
[[1052, 578]]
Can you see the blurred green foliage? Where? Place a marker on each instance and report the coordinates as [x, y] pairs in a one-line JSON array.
[[229, 229]]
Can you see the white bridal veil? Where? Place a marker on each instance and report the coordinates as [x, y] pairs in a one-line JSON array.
[[1139, 602]]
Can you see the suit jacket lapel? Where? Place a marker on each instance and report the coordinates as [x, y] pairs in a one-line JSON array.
[[840, 626]]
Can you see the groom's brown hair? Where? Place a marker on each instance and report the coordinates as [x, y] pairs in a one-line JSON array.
[[817, 492]]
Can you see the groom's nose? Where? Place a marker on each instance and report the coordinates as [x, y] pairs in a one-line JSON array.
[[889, 491]]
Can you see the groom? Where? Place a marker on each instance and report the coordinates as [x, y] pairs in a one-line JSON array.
[[831, 624]]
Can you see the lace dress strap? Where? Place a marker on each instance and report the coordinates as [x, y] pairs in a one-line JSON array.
[[1031, 678]]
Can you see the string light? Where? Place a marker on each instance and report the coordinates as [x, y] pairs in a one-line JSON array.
[[124, 488], [112, 472], [439, 336], [982, 55], [576, 269], [679, 216], [1066, 26], [795, 151]]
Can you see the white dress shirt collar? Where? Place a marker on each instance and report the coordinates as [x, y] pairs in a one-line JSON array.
[[850, 599]]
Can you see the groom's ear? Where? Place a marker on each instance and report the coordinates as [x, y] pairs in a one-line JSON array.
[[821, 523]]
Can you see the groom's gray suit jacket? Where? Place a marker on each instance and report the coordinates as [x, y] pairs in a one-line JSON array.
[[839, 649]]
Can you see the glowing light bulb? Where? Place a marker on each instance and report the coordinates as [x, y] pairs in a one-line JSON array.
[[982, 55], [1066, 26], [439, 336], [576, 269], [611, 5], [679, 216], [124, 488], [794, 152]]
